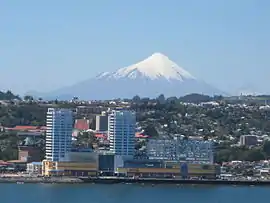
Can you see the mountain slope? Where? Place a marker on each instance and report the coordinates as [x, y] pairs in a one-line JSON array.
[[151, 77], [154, 67]]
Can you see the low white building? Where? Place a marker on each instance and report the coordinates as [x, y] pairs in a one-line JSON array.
[[34, 167]]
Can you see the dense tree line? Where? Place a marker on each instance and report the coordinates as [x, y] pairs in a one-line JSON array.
[[9, 142], [23, 114], [8, 146], [226, 153]]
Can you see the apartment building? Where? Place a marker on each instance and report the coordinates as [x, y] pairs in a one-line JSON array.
[[59, 133], [121, 132]]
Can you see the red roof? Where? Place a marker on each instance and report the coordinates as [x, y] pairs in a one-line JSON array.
[[21, 127], [140, 135], [36, 131], [3, 163], [100, 135], [81, 124]]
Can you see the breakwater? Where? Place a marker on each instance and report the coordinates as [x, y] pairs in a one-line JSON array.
[[114, 180], [121, 180]]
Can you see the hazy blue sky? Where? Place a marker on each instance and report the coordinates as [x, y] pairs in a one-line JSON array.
[[48, 44]]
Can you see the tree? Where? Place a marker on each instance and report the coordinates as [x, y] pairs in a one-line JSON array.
[[254, 155], [161, 99], [248, 173], [151, 131], [28, 98], [205, 137], [185, 137], [145, 100], [218, 98], [136, 99], [223, 155], [86, 139], [195, 98], [172, 100], [23, 114], [266, 148]]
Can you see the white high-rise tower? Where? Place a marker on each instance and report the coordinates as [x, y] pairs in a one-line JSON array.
[[121, 128], [59, 133]]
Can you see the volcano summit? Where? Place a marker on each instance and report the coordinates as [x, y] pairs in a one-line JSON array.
[[151, 77], [155, 67]]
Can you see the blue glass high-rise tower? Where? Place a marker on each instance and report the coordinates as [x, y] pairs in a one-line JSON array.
[[121, 128], [59, 124]]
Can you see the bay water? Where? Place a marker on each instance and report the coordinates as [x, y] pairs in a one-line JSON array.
[[123, 193]]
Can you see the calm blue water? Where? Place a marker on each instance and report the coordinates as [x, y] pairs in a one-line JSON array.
[[38, 193]]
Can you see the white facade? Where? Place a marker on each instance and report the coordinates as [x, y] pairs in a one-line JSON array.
[[35, 167], [59, 133], [121, 128]]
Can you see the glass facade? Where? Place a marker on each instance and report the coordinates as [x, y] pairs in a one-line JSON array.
[[106, 163], [59, 123], [121, 128], [197, 151]]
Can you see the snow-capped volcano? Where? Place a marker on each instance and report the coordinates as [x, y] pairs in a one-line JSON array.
[[157, 66], [151, 77]]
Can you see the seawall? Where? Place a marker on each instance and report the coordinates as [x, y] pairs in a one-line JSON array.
[[172, 181], [118, 180], [40, 180]]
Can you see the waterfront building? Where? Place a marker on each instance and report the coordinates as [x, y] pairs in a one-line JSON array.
[[106, 162], [34, 167], [80, 155], [143, 164], [161, 169], [67, 168], [17, 165], [59, 133], [77, 162], [191, 150], [121, 132]]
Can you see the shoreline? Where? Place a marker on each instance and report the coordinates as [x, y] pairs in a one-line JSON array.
[[159, 181], [117, 180], [58, 180]]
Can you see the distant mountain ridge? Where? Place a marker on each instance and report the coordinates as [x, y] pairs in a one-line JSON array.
[[151, 77]]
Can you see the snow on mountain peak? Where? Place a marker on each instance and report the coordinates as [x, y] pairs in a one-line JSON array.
[[158, 55], [154, 67], [103, 74]]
